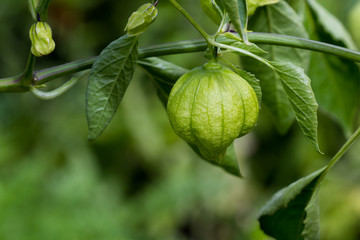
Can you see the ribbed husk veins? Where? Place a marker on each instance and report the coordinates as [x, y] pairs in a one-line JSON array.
[[210, 106], [41, 39], [140, 20]]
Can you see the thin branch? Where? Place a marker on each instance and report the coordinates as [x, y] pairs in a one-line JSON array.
[[192, 21], [344, 149], [48, 74], [45, 75], [296, 42], [28, 74], [12, 84]]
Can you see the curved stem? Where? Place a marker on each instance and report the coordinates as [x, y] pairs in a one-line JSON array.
[[339, 154], [191, 20], [343, 149], [222, 24], [247, 53], [57, 92]]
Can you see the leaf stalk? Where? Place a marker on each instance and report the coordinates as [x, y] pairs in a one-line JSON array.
[[343, 149]]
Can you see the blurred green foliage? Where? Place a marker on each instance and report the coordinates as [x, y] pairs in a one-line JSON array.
[[138, 180]]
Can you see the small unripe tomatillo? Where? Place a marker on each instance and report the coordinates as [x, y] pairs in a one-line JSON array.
[[41, 39], [210, 106], [141, 19]]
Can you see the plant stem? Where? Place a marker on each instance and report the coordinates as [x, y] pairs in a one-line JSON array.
[[46, 75], [57, 92], [258, 38], [343, 149], [42, 9], [32, 6], [191, 20], [296, 42], [28, 77], [49, 74], [223, 20], [339, 154], [247, 53], [12, 84]]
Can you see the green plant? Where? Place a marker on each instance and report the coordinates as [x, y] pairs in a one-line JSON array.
[[279, 82]]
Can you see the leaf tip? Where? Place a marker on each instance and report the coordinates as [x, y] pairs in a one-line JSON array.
[[319, 150], [92, 136]]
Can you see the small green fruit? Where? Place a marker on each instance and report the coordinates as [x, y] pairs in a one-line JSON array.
[[141, 19], [41, 39], [210, 106]]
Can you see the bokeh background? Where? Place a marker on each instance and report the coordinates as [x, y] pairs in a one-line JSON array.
[[139, 180]]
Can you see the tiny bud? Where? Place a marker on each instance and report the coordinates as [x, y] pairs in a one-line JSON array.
[[141, 19], [41, 39]]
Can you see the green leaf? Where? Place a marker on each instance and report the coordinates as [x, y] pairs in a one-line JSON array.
[[292, 213], [254, 4], [336, 85], [229, 163], [165, 71], [108, 80], [312, 222], [332, 76], [298, 89], [213, 11], [220, 4], [280, 19], [251, 47], [42, 9], [234, 40], [252, 80], [274, 97], [32, 7], [331, 25], [165, 74], [243, 19], [237, 11]]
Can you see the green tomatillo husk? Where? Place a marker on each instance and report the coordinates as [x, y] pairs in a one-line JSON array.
[[141, 19], [210, 106], [41, 39]]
